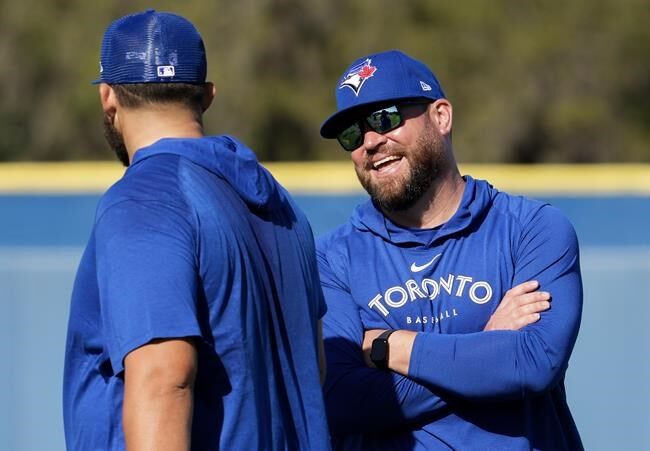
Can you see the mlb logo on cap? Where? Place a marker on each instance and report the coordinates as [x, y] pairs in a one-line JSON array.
[[166, 71], [152, 47]]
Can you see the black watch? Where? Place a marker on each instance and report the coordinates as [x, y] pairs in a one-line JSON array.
[[379, 350]]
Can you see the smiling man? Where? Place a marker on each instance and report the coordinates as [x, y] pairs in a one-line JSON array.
[[440, 333]]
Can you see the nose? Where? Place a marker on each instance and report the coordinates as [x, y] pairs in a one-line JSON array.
[[371, 139]]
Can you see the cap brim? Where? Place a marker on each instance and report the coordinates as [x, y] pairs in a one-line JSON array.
[[337, 121]]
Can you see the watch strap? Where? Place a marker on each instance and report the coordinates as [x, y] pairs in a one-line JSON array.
[[385, 334]]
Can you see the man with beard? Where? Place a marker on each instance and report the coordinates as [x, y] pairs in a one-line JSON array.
[[194, 320], [427, 344]]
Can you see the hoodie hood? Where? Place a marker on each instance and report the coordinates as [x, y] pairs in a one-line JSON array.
[[227, 158], [477, 197]]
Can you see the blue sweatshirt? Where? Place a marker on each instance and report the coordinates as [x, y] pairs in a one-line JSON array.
[[466, 389], [198, 240]]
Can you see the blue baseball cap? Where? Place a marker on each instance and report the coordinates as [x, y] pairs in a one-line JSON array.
[[378, 78], [152, 47]]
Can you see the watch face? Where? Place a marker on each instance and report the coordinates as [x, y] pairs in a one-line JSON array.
[[379, 352]]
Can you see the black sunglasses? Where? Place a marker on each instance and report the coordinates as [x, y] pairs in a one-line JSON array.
[[381, 121]]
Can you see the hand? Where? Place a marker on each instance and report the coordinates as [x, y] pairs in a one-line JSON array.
[[520, 307]]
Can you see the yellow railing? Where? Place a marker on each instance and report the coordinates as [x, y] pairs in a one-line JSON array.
[[339, 177]]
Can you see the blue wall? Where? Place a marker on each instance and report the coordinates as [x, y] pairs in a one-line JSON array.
[[42, 237]]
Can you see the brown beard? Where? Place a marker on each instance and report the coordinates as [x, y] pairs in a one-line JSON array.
[[401, 193], [115, 140]]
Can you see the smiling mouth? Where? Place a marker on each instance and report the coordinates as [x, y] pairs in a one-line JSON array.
[[384, 162]]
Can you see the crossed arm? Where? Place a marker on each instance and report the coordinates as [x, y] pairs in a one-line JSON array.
[[522, 305], [361, 398], [505, 364]]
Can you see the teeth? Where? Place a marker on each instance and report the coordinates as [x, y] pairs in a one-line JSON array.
[[384, 161]]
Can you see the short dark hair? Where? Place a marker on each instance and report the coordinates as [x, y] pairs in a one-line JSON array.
[[135, 95]]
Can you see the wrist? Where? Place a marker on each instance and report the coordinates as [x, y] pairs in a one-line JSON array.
[[400, 344]]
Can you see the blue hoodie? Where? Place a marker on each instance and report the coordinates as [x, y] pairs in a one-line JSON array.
[[466, 389], [198, 240]]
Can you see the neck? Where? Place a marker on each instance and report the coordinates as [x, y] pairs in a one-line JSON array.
[[436, 206], [144, 126]]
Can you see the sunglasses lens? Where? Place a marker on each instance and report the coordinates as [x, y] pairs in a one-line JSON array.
[[381, 121], [350, 138], [385, 120]]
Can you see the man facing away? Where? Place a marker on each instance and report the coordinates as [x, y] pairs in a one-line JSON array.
[[440, 331], [194, 320]]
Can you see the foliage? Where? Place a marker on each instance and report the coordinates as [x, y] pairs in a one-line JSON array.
[[537, 81]]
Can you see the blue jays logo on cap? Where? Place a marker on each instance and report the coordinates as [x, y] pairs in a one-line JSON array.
[[357, 76]]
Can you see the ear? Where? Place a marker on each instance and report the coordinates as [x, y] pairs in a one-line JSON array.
[[208, 95], [110, 104], [108, 99], [442, 115]]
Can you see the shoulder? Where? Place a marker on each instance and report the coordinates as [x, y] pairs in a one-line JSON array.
[[527, 212], [337, 240], [153, 182], [126, 215], [536, 226], [333, 251]]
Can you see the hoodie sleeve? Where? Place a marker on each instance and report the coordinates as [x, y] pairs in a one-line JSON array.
[[147, 279], [515, 364], [359, 399]]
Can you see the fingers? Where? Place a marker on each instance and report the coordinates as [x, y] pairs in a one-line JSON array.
[[521, 306], [535, 307], [523, 321], [531, 298], [522, 288], [514, 294], [527, 308]]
